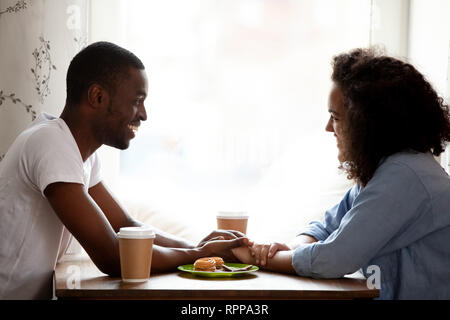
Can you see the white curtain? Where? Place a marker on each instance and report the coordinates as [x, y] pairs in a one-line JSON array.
[[38, 38], [429, 47]]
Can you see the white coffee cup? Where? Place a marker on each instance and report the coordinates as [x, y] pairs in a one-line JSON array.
[[135, 247]]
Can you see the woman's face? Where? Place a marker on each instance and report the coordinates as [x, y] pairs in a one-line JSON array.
[[337, 121]]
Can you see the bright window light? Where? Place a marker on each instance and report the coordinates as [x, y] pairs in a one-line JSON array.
[[237, 108]]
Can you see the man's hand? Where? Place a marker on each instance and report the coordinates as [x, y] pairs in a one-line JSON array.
[[223, 248], [221, 235]]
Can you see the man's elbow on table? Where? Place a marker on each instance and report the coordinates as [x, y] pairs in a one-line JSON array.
[[110, 270], [107, 262]]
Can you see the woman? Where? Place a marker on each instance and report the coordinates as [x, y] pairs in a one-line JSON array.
[[388, 122]]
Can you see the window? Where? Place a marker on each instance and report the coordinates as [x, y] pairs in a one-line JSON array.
[[237, 107]]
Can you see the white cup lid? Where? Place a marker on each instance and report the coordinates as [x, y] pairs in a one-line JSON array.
[[136, 233], [232, 215]]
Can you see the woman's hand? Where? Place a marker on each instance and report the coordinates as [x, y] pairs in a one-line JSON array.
[[281, 262], [261, 252]]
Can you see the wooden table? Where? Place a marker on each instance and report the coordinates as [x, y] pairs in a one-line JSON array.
[[76, 277]]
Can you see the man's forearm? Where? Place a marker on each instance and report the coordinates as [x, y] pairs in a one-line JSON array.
[[168, 240], [165, 239], [167, 259], [172, 242]]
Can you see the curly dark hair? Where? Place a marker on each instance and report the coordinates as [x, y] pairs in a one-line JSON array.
[[390, 107]]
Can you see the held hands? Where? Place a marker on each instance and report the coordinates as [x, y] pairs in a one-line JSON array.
[[258, 254], [262, 252], [232, 245], [221, 242]]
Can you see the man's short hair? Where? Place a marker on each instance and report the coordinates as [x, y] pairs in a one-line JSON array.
[[102, 63]]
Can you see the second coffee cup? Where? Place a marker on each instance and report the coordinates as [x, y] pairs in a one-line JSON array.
[[231, 220], [135, 247]]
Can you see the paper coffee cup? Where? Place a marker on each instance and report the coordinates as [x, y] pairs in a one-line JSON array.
[[232, 220], [135, 247]]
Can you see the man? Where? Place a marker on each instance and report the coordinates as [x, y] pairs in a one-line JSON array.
[[50, 183]]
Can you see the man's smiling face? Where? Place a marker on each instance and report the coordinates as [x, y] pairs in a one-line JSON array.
[[126, 109]]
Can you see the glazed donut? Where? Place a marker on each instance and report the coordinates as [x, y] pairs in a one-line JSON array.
[[219, 262], [205, 264]]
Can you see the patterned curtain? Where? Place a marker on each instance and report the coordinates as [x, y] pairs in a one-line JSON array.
[[38, 38]]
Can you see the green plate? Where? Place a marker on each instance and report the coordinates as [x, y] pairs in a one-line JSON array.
[[218, 274]]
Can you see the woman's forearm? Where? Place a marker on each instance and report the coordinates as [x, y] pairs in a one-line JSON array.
[[301, 239], [281, 262]]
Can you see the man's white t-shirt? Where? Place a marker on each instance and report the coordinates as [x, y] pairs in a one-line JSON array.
[[31, 234]]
